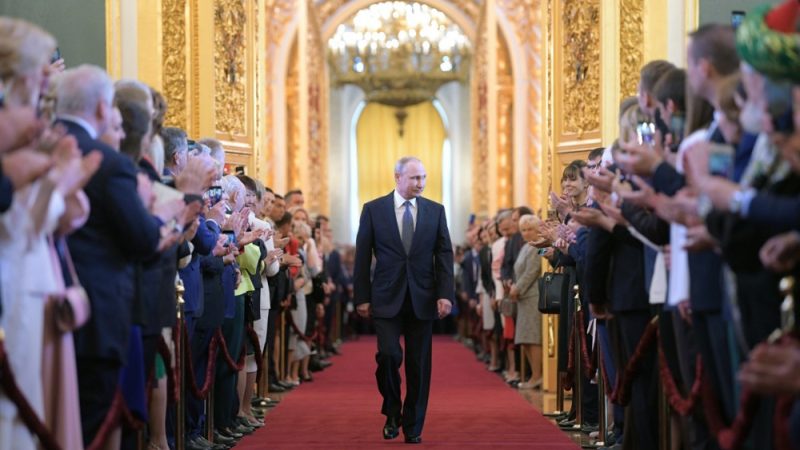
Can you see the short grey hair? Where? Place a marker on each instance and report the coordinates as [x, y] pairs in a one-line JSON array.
[[232, 185], [529, 219], [174, 142], [401, 163], [81, 89], [503, 215]]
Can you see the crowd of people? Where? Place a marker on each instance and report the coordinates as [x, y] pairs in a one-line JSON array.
[[682, 239], [122, 241]]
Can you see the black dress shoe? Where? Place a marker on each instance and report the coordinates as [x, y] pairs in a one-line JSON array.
[[195, 444], [413, 439], [231, 433], [276, 388], [391, 429], [224, 440]]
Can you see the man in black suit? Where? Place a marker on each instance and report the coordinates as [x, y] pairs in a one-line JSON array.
[[412, 285], [119, 231]]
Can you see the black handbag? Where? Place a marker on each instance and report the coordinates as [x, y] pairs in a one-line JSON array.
[[553, 289]]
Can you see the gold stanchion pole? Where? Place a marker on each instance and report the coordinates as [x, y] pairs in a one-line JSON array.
[[180, 419], [663, 419], [577, 385], [551, 350], [282, 347]]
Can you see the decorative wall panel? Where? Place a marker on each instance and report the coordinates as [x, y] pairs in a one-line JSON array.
[[526, 18], [174, 62], [317, 118], [580, 67], [631, 39], [480, 129], [505, 125], [293, 120], [230, 74]]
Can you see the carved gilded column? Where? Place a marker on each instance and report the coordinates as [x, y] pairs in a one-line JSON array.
[[175, 87], [505, 125], [315, 181], [481, 117]]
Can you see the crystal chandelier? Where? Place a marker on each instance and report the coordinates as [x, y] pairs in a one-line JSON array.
[[399, 53]]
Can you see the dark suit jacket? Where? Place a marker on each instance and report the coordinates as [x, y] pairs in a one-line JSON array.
[[204, 242], [614, 272], [469, 280], [486, 269], [513, 246], [426, 273], [118, 232]]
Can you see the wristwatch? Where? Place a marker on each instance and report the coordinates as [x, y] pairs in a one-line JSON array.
[[735, 202], [704, 206]]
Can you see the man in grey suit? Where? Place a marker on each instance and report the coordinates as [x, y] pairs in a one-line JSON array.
[[411, 286]]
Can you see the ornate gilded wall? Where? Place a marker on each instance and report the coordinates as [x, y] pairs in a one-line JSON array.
[[317, 162], [175, 88], [505, 125], [230, 26], [631, 39], [480, 121], [580, 66], [293, 120]]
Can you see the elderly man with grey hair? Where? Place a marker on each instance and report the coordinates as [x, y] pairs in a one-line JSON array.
[[119, 232]]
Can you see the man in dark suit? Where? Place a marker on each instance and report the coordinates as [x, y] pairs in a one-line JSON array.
[[118, 232], [412, 285]]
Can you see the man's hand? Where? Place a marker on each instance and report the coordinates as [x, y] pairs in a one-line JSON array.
[[602, 178], [644, 197], [685, 311], [219, 248], [443, 307], [291, 260], [782, 252], [698, 239], [217, 213], [197, 176], [600, 311], [274, 255], [772, 370], [24, 166], [364, 310], [591, 217], [641, 159]]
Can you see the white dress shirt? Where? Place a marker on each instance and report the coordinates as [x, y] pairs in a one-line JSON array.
[[400, 209]]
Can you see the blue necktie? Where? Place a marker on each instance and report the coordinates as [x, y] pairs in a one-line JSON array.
[[407, 234]]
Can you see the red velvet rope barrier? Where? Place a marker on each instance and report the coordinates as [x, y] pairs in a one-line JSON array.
[[589, 361], [109, 424], [234, 365], [569, 377], [26, 412], [200, 393], [254, 341], [732, 437], [163, 350], [682, 406]]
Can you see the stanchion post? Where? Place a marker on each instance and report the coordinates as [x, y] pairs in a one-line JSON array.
[[180, 413], [663, 418], [602, 400], [282, 347], [578, 356], [210, 409]]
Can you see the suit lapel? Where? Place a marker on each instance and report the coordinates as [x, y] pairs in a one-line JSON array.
[[389, 206], [422, 219]]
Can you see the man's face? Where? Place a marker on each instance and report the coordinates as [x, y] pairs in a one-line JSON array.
[[594, 164], [278, 208], [250, 200], [114, 134], [505, 227], [695, 75], [181, 156], [296, 200], [411, 182], [268, 200]]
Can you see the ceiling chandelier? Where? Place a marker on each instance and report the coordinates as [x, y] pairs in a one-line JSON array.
[[399, 53]]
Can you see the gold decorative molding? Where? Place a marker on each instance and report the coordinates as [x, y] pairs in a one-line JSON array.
[[317, 164], [480, 129], [293, 120], [580, 67], [174, 62], [505, 124], [526, 19], [230, 74], [631, 39]]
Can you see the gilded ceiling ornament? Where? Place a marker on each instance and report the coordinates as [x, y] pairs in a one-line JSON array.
[[174, 61], [580, 71], [230, 23], [327, 8], [631, 37]]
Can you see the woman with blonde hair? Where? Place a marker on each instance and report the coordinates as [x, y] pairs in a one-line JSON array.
[[525, 292]]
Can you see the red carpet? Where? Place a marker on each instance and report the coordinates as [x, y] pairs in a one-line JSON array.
[[468, 407]]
